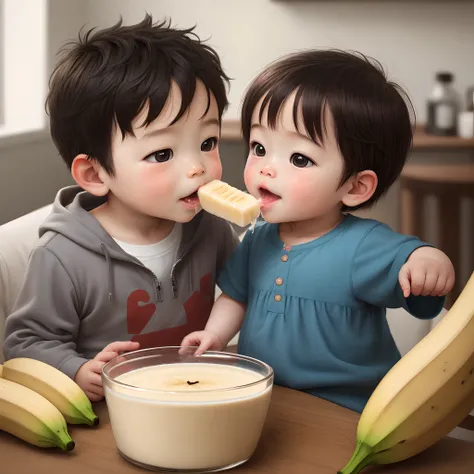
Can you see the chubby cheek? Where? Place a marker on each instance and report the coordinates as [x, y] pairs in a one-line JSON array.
[[318, 194], [299, 189], [304, 197], [156, 183], [214, 165], [251, 173]]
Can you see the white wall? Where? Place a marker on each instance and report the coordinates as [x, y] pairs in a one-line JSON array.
[[412, 39]]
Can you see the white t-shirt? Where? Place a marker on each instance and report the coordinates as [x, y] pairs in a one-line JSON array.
[[158, 257]]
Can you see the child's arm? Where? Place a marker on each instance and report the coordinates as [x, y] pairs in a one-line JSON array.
[[393, 270], [228, 311], [427, 272], [44, 323], [224, 323]]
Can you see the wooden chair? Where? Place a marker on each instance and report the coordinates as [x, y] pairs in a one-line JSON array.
[[449, 183]]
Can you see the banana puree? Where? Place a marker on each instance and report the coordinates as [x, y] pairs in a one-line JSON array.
[[188, 415]]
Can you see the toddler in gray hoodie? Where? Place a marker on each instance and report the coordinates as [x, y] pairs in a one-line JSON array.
[[126, 258]]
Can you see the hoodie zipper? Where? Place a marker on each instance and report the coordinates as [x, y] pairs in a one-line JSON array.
[[158, 295], [174, 285], [184, 252], [157, 283]]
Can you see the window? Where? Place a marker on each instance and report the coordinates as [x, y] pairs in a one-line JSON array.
[[2, 43], [23, 65]]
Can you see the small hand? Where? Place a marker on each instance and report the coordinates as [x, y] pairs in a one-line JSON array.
[[204, 340], [88, 377], [427, 272]]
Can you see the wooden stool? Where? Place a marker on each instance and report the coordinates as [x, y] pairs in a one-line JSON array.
[[449, 183]]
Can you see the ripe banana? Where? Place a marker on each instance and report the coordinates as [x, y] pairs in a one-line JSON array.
[[424, 396], [30, 417], [55, 386]]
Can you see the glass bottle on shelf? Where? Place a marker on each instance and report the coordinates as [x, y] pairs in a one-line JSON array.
[[442, 106], [466, 117]]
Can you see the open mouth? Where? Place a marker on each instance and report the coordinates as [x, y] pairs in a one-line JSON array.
[[267, 197], [192, 199]]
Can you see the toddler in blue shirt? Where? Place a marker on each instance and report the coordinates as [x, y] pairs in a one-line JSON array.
[[308, 289]]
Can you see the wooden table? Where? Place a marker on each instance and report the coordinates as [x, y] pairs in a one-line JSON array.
[[303, 434]]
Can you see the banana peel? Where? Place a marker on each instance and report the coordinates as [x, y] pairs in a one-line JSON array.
[[424, 396]]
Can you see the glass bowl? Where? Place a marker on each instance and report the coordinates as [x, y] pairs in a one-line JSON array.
[[173, 411]]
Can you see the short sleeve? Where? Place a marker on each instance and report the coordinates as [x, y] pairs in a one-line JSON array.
[[234, 279], [376, 266]]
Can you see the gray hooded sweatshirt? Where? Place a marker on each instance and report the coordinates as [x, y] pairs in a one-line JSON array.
[[82, 291]]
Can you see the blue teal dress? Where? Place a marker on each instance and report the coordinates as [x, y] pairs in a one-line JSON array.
[[317, 312]]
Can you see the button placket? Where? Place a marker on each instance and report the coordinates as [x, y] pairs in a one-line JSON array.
[[279, 291]]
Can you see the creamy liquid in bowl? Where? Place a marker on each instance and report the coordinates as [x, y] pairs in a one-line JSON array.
[[185, 418]]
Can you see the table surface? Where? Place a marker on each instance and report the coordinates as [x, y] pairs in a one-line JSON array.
[[303, 434]]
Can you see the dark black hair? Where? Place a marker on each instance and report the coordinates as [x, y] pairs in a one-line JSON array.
[[109, 75], [371, 115]]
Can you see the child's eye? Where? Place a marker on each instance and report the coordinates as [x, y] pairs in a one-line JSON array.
[[258, 149], [209, 144], [160, 156], [301, 161]]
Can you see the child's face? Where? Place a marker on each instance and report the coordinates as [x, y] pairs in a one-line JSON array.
[[295, 179], [158, 172]]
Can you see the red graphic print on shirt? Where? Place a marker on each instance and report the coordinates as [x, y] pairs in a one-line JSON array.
[[197, 309], [139, 314]]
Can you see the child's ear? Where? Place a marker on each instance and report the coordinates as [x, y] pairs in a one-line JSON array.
[[362, 187], [89, 175]]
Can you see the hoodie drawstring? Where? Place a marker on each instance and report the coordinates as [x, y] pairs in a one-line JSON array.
[[109, 270]]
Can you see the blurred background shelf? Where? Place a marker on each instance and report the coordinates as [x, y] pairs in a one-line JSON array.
[[421, 140]]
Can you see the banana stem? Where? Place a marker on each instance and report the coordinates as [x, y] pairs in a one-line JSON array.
[[69, 446], [64, 441], [360, 459], [94, 421]]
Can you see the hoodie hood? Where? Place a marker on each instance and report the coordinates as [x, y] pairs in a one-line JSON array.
[[71, 217]]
